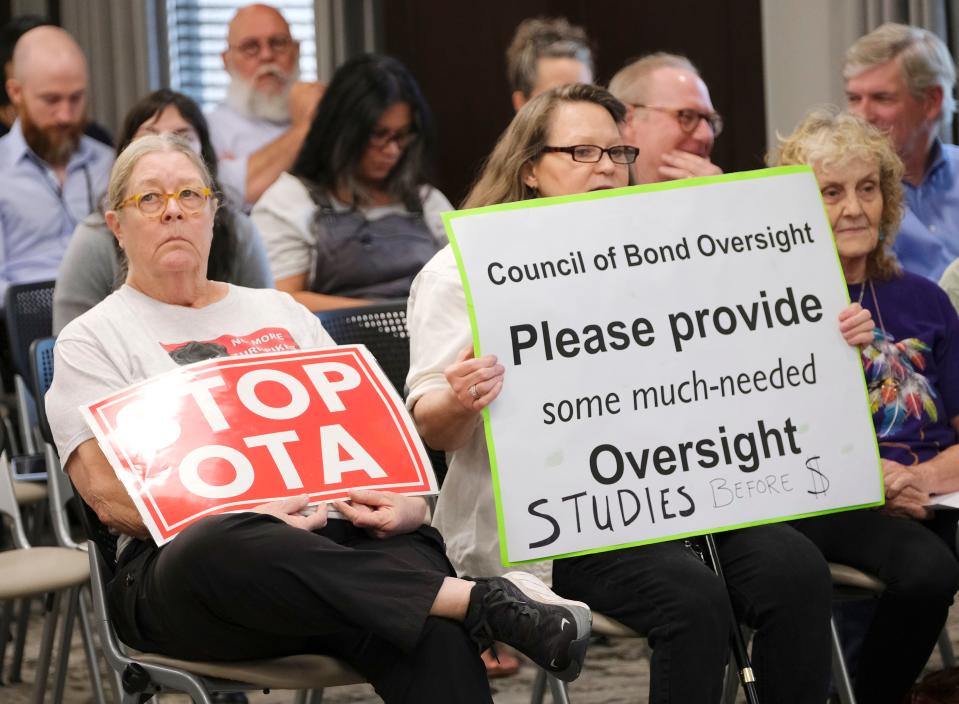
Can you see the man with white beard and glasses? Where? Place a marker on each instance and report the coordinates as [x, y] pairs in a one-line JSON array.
[[259, 128], [52, 175]]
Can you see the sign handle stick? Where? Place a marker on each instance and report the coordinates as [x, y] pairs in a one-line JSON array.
[[746, 676]]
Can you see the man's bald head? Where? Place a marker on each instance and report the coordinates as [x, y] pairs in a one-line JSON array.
[[249, 17], [47, 49], [49, 90]]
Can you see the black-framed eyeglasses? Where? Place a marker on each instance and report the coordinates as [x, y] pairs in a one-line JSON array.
[[251, 48], [689, 119], [590, 153], [381, 136]]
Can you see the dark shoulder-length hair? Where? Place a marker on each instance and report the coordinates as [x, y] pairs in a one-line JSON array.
[[361, 90], [222, 262]]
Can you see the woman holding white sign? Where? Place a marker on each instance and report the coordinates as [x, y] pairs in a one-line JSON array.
[[565, 142], [371, 585], [911, 363]]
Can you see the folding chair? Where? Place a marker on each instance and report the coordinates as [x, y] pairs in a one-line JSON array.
[[382, 328], [61, 493], [35, 571], [28, 310], [850, 583], [143, 674], [29, 315]]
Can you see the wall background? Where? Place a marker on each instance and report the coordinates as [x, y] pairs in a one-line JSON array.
[[766, 62]]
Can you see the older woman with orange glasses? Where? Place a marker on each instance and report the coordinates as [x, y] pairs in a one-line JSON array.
[[366, 581]]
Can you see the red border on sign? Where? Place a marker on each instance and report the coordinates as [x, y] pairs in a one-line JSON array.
[[162, 530]]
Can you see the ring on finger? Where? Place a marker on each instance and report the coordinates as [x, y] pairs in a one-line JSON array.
[[473, 392]]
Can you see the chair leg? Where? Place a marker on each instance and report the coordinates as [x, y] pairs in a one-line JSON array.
[[89, 649], [23, 621], [945, 649], [46, 646], [539, 687], [11, 435], [558, 689], [6, 623], [66, 638], [730, 681], [840, 675]]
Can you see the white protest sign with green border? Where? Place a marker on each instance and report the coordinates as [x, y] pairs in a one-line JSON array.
[[673, 360]]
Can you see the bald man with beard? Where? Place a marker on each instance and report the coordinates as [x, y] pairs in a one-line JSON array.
[[53, 175], [259, 129]]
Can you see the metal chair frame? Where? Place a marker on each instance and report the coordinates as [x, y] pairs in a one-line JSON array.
[[851, 583], [69, 583], [28, 309], [143, 675]]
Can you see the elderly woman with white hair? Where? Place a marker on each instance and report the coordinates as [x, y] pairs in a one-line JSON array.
[[912, 372], [367, 582]]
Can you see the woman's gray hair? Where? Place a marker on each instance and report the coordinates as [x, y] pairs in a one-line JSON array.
[[924, 58], [828, 137], [139, 148], [541, 38]]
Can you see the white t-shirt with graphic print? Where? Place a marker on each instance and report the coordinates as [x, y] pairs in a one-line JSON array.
[[130, 337]]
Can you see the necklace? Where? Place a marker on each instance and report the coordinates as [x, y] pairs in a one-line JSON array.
[[875, 302]]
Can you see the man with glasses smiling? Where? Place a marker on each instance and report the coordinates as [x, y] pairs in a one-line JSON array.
[[670, 117], [259, 129]]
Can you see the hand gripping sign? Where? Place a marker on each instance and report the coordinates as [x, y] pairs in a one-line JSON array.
[[673, 362], [235, 432]]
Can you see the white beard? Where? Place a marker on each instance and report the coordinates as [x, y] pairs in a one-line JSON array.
[[242, 96]]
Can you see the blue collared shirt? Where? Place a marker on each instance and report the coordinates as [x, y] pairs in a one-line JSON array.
[[235, 137], [37, 215], [928, 240]]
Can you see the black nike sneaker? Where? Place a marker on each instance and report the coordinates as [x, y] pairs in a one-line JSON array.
[[521, 611]]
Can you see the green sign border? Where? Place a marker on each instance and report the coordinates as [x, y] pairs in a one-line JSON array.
[[449, 217]]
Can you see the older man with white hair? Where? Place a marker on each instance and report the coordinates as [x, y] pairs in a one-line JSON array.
[[900, 78], [53, 175], [259, 129]]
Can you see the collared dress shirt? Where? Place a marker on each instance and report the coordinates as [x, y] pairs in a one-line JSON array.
[[928, 240], [235, 137], [37, 214]]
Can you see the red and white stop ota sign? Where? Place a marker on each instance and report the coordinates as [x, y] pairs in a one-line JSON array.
[[235, 432]]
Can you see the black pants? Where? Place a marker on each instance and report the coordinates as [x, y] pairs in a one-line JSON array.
[[245, 586], [921, 576], [778, 583]]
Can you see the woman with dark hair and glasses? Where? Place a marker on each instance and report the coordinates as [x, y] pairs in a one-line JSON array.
[[355, 219], [94, 265]]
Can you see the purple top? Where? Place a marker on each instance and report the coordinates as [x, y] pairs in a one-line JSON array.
[[912, 366]]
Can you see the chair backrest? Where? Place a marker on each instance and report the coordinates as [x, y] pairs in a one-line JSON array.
[[41, 368], [29, 313], [62, 489], [382, 328], [8, 500]]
